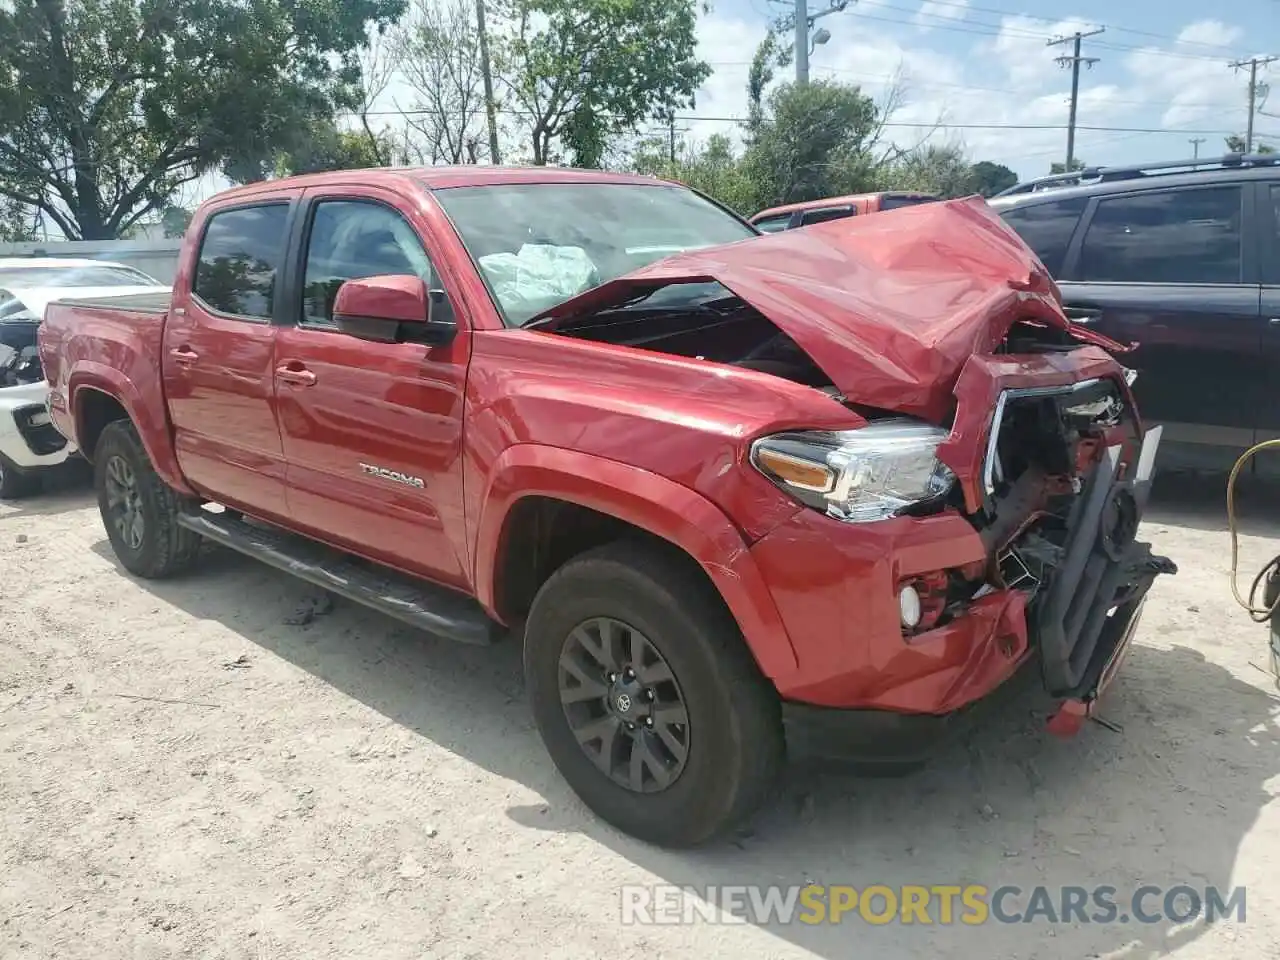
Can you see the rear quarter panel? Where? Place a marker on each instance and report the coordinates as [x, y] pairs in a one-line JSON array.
[[114, 349]]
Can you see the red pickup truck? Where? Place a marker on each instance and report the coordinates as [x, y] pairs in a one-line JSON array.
[[726, 487]]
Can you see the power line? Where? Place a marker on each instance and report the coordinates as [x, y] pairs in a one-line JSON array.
[[965, 6], [905, 124], [1074, 62], [999, 29]]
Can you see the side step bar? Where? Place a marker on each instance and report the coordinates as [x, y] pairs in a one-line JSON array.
[[427, 606]]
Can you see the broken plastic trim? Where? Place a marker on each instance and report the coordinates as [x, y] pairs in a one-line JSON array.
[[990, 464]]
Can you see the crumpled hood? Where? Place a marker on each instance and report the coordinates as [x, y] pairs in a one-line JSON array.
[[890, 306]]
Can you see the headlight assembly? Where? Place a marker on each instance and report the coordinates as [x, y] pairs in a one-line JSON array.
[[858, 475]]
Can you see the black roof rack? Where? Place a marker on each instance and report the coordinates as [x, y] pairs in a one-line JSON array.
[[1137, 170]]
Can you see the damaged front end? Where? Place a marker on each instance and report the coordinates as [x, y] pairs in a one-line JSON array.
[[1057, 497]]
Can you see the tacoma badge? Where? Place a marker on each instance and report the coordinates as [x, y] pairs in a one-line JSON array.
[[394, 475]]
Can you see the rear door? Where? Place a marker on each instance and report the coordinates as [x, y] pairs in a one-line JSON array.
[[347, 405], [1268, 221], [1169, 269], [219, 344]]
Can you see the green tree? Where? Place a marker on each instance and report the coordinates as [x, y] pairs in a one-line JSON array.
[[1237, 144], [714, 170], [108, 106], [325, 147], [578, 72], [941, 170], [175, 220], [990, 178], [812, 141], [17, 222]]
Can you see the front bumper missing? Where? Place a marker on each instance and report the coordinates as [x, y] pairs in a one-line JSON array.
[[1093, 600]]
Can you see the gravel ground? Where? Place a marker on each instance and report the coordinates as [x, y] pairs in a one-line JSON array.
[[218, 767]]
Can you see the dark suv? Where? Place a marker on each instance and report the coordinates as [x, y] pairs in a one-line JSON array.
[[1184, 259]]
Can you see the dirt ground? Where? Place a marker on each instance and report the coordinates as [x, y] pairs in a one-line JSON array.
[[213, 768]]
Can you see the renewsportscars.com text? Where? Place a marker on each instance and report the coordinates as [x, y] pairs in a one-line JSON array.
[[942, 904]]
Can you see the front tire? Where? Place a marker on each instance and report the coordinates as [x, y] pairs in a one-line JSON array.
[[647, 698], [16, 484], [139, 510]]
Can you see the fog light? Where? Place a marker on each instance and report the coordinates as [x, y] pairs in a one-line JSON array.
[[909, 607]]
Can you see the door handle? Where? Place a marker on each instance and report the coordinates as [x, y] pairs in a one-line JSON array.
[[184, 355], [295, 374], [1083, 315]]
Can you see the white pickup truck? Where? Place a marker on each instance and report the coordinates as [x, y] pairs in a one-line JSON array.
[[29, 443]]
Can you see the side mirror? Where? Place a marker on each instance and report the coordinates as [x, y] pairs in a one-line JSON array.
[[395, 308]]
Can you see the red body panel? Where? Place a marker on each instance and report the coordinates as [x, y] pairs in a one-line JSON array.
[[278, 419]]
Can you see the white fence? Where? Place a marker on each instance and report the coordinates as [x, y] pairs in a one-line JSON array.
[[159, 258]]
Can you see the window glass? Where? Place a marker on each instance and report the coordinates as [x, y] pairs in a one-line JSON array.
[[1175, 236], [239, 258], [538, 244], [897, 202], [826, 213], [1047, 228], [773, 224], [351, 239]]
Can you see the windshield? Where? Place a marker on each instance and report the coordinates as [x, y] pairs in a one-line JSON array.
[[538, 244], [75, 276]]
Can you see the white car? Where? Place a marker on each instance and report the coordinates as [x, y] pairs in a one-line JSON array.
[[29, 443]]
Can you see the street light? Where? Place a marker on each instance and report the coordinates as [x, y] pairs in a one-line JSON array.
[[820, 36]]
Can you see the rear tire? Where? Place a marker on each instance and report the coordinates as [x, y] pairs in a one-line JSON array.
[[139, 510], [16, 484], [717, 767]]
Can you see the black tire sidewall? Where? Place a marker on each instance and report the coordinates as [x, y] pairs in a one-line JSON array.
[[15, 483], [119, 440], [706, 794]]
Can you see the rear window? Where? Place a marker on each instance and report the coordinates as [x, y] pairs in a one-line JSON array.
[[823, 214], [239, 258], [1047, 228], [893, 202], [1165, 236]]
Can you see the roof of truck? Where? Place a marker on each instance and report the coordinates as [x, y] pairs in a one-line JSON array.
[[447, 176]]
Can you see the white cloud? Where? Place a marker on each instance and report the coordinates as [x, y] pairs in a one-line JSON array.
[[933, 10]]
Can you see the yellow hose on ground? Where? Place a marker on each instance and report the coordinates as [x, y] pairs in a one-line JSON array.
[[1259, 614]]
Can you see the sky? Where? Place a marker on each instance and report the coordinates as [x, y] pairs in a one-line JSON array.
[[981, 74], [985, 69]]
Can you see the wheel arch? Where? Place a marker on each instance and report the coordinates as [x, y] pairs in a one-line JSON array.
[[605, 500], [100, 395]]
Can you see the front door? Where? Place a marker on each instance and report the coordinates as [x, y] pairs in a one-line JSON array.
[[219, 341], [372, 431], [1170, 270]]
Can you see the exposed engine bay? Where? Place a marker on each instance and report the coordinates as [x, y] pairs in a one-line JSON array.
[[706, 321]]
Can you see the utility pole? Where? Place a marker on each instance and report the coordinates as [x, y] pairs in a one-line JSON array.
[[1253, 63], [802, 42], [1195, 144], [671, 135], [486, 70], [1074, 61], [802, 21]]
